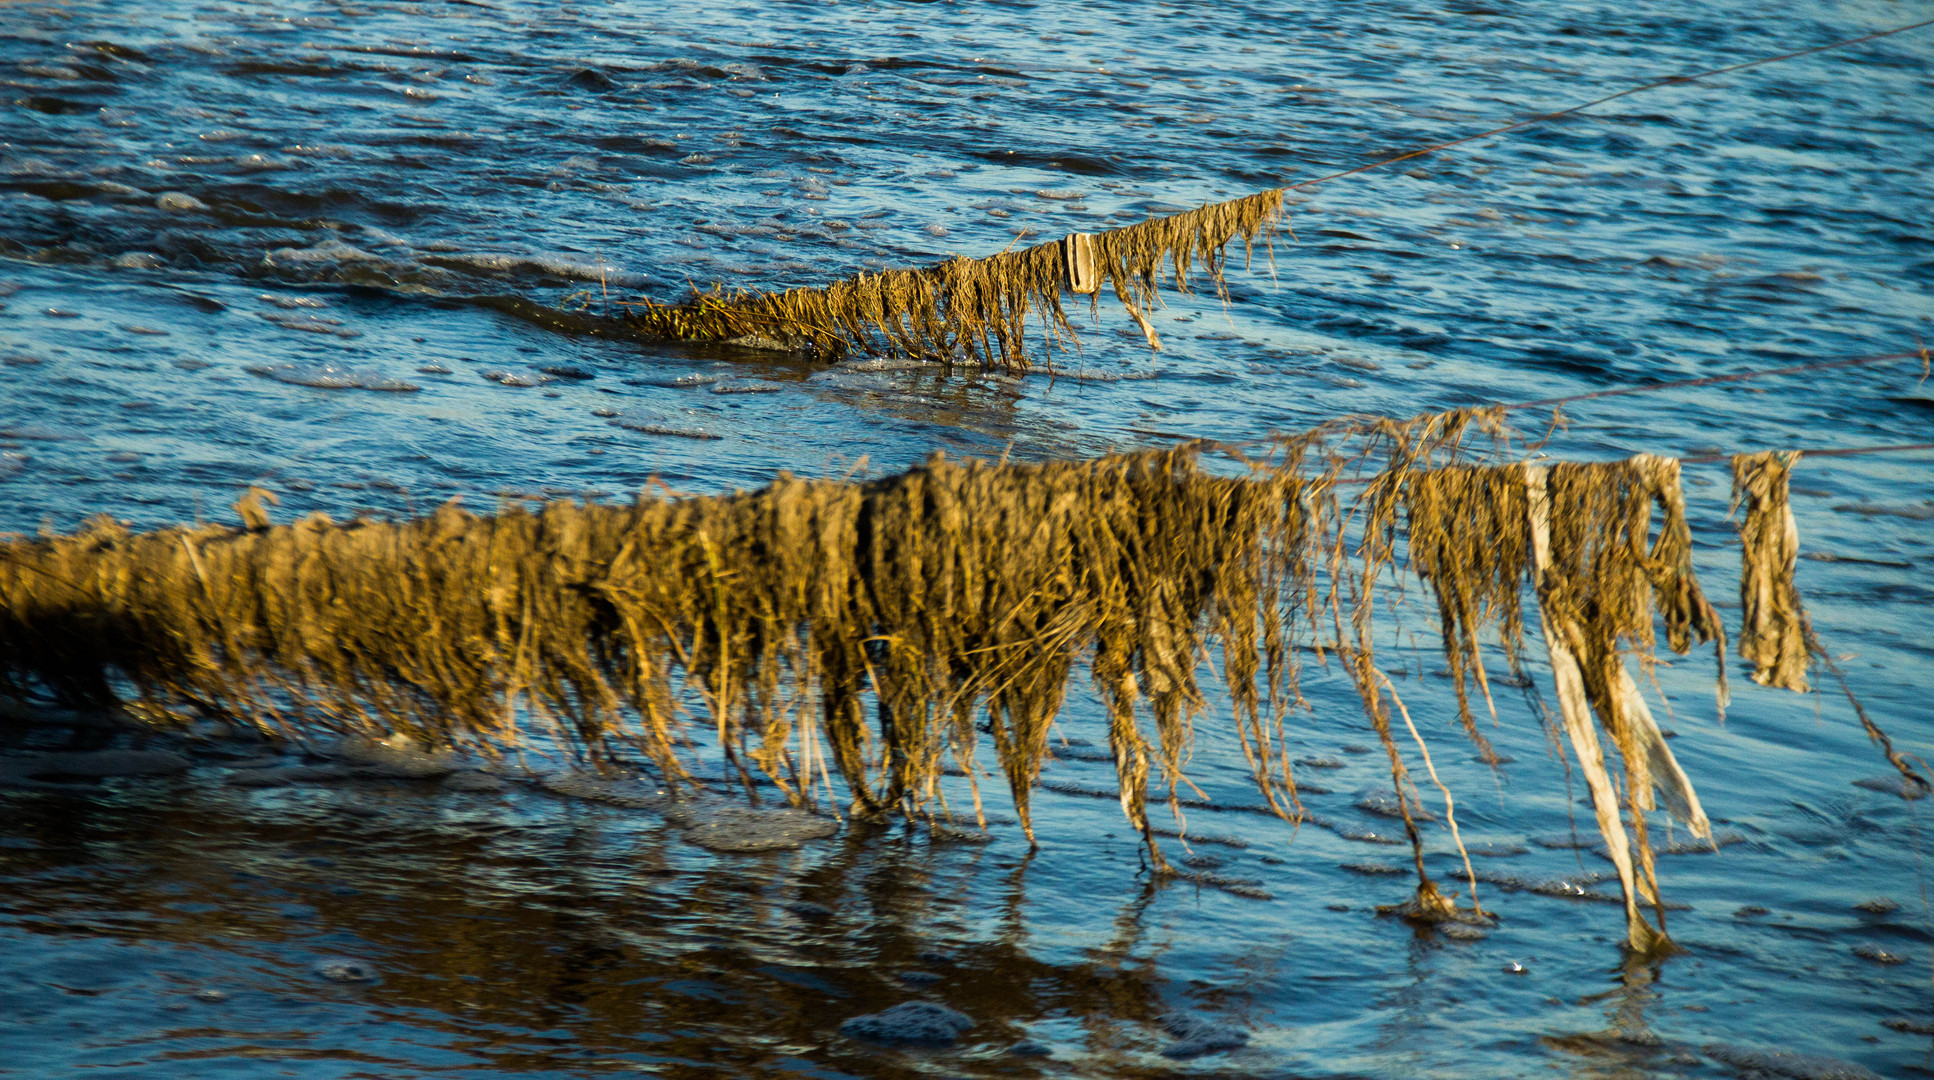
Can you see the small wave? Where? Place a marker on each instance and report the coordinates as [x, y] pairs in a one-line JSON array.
[[329, 251], [330, 377], [176, 202], [892, 364], [314, 324], [36, 433], [516, 379], [659, 424], [673, 382], [547, 264]]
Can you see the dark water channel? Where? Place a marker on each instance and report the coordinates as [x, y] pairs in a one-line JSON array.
[[323, 247]]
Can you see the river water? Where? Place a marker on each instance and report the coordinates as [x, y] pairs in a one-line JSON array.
[[335, 248]]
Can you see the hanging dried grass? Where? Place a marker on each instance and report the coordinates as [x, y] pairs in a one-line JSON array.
[[953, 593], [1775, 633], [977, 310], [1772, 634], [953, 600]]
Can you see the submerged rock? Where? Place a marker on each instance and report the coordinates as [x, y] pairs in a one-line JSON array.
[[947, 834], [290, 776], [1028, 1048], [105, 763], [1573, 841], [1195, 1037], [344, 970], [471, 780], [1372, 869], [911, 1023], [54, 772], [1785, 1063], [744, 829], [1384, 803], [632, 794], [397, 756]]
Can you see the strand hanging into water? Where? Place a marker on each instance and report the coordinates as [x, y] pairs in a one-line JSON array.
[[978, 309]]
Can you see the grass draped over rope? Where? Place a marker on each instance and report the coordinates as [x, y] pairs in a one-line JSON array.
[[876, 631], [1772, 632], [975, 310], [1775, 634]]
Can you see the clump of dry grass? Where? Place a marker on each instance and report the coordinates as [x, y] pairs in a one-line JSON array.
[[1772, 631], [875, 631], [975, 309], [1775, 633]]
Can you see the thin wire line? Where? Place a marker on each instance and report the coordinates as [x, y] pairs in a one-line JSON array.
[[1709, 380], [1923, 354], [1851, 451], [1673, 80]]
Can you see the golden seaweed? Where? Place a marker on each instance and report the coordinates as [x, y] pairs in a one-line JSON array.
[[976, 310], [876, 631]]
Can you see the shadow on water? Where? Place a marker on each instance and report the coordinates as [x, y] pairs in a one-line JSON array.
[[495, 928]]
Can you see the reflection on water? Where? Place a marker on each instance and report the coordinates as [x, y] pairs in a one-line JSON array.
[[234, 233]]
